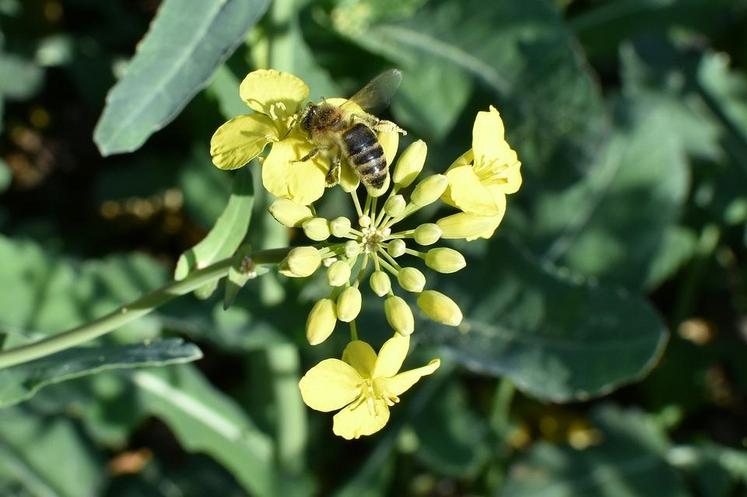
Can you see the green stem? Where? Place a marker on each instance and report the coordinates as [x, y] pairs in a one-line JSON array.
[[500, 414], [129, 312]]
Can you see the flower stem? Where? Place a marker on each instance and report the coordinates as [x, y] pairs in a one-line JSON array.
[[353, 330], [129, 312]]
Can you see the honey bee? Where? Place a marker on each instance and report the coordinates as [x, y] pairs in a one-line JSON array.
[[351, 135]]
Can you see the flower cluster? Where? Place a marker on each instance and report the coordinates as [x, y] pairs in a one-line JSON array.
[[369, 249]]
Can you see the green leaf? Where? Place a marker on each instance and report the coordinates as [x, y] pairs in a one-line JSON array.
[[22, 382], [187, 41], [226, 235], [205, 420], [452, 438], [629, 463], [46, 455], [524, 57], [556, 337], [612, 224]]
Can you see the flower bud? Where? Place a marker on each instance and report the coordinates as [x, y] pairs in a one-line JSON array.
[[321, 321], [316, 228], [399, 315], [349, 304], [301, 262], [468, 226], [339, 226], [410, 164], [427, 234], [364, 221], [396, 247], [444, 260], [439, 308], [289, 213], [338, 273], [395, 205], [380, 283], [411, 279], [352, 249], [429, 190]]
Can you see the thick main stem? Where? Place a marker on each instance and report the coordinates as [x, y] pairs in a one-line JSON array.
[[129, 312]]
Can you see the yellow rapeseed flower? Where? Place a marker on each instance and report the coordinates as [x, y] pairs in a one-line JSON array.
[[363, 386], [479, 181]]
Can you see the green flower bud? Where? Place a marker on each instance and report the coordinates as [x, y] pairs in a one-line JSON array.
[[439, 308], [380, 283], [316, 228], [444, 260], [395, 205], [352, 249], [338, 273], [429, 190], [411, 279], [427, 234], [364, 221], [399, 315], [409, 164], [289, 213], [349, 304], [301, 262], [339, 226], [396, 247], [321, 321]]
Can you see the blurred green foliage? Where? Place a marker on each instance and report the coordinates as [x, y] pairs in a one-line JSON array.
[[619, 271]]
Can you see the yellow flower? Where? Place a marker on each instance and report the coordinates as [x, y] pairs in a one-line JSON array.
[[479, 181], [275, 97], [362, 384]]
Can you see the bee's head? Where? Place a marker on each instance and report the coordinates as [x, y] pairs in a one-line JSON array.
[[308, 116]]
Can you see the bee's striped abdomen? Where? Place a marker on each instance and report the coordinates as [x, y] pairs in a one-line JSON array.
[[366, 155]]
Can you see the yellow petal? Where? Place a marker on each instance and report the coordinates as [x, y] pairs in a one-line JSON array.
[[240, 140], [468, 226], [302, 182], [488, 135], [399, 384], [361, 356], [391, 356], [359, 420], [273, 93], [330, 385], [465, 159], [510, 180], [349, 180], [466, 192]]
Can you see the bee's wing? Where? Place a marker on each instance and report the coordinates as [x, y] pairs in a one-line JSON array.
[[379, 91]]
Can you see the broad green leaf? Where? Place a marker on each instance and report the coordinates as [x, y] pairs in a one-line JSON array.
[[226, 235], [186, 42], [452, 438], [630, 462], [43, 293], [524, 57], [22, 382], [555, 337], [205, 420], [46, 455], [613, 223]]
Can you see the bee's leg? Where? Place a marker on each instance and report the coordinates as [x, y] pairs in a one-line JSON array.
[[333, 175], [312, 153], [379, 125]]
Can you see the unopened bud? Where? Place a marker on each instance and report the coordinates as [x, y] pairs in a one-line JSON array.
[[380, 283], [444, 260], [429, 190], [411, 279], [352, 249], [339, 226], [321, 321], [427, 234], [396, 247], [409, 164], [301, 262], [399, 315], [364, 221], [439, 308], [338, 273], [349, 304], [289, 213], [316, 228], [395, 205]]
